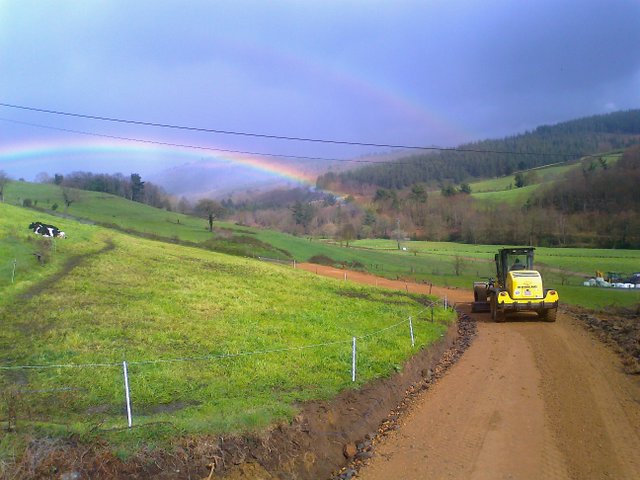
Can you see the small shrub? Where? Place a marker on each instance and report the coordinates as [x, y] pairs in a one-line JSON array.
[[322, 260], [27, 202], [43, 252]]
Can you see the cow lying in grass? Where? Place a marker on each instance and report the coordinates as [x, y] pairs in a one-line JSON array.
[[45, 230]]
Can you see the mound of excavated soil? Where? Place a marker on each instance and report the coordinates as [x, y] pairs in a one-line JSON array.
[[618, 328]]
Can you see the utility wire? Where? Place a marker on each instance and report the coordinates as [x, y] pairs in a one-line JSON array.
[[224, 150], [185, 145], [278, 137]]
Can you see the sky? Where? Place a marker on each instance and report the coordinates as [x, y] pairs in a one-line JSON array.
[[413, 73]]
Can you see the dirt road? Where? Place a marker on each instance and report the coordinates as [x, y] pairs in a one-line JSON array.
[[528, 400]]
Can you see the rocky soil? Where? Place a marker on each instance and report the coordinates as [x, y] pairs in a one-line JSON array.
[[618, 328]]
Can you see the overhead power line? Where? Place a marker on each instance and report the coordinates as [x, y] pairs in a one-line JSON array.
[[277, 137], [183, 145]]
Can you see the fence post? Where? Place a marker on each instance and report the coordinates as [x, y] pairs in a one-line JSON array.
[[353, 360], [13, 274], [126, 392], [432, 313], [445, 302], [411, 331], [345, 276]]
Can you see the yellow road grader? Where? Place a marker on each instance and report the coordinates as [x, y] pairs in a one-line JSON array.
[[516, 288]]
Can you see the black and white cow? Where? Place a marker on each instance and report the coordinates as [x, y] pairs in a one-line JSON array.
[[49, 231]]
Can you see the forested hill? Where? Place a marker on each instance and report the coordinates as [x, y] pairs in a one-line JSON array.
[[546, 145]]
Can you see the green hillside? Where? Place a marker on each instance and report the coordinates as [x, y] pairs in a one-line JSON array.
[[546, 145], [503, 190], [510, 196], [542, 175], [110, 210], [432, 262], [214, 343]]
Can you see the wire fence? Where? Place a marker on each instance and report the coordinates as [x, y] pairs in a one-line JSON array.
[[134, 392]]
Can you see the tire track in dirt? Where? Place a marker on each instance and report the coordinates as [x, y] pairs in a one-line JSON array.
[[527, 400]]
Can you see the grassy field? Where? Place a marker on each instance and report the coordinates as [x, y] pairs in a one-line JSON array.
[[563, 268], [110, 210], [542, 175], [433, 262], [214, 343], [518, 196], [503, 190], [119, 213]]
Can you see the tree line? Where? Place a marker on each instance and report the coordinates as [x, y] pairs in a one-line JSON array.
[[494, 158], [131, 187], [595, 205]]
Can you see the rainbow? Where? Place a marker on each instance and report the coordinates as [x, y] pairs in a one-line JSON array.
[[112, 151], [360, 85]]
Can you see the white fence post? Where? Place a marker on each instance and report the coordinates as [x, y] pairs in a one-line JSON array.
[[411, 330], [126, 392], [353, 360], [13, 274]]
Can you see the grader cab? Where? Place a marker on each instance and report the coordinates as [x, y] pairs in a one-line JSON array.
[[516, 288]]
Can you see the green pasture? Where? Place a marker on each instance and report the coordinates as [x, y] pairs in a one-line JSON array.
[[563, 268], [542, 175], [109, 210], [20, 268], [514, 196], [214, 343], [133, 217], [503, 190], [431, 262], [141, 219]]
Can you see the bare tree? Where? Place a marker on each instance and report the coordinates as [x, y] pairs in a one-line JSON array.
[[458, 265], [209, 209], [43, 177], [398, 234], [69, 195], [346, 233]]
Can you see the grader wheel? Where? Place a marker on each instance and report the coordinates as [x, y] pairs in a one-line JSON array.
[[496, 315], [549, 315]]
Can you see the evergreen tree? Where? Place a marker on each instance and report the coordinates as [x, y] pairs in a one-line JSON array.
[[137, 188]]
